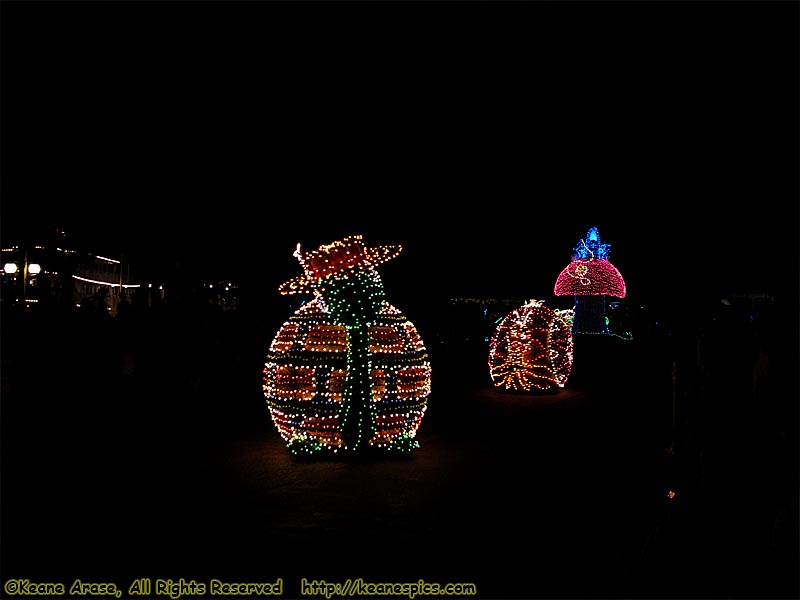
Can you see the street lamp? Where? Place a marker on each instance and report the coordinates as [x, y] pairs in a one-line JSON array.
[[29, 270]]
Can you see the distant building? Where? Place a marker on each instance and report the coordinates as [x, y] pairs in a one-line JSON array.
[[37, 273], [52, 272], [103, 279]]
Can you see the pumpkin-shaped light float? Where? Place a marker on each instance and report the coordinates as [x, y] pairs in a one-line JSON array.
[[531, 349], [347, 372]]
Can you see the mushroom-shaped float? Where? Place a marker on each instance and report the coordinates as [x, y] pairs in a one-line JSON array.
[[347, 371], [531, 349], [590, 277]]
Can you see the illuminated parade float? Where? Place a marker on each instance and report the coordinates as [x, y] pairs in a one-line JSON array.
[[347, 372], [590, 277], [531, 350]]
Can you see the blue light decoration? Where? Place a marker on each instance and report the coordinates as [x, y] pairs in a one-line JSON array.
[[591, 246], [590, 277], [347, 372]]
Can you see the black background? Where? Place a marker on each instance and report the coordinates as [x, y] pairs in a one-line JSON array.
[[483, 137], [210, 138]]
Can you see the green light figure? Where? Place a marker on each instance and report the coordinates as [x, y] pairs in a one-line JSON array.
[[374, 395], [356, 303]]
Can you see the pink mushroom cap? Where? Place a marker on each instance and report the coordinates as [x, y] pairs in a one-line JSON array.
[[590, 277]]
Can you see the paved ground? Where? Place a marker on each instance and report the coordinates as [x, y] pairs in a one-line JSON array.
[[514, 494], [113, 473]]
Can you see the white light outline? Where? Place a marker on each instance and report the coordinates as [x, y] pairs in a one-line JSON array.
[[124, 285]]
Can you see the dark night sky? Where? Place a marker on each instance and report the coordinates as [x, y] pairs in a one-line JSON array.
[[484, 137]]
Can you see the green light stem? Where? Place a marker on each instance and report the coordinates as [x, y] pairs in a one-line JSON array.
[[358, 413]]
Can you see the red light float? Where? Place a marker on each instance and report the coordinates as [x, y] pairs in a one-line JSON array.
[[590, 277]]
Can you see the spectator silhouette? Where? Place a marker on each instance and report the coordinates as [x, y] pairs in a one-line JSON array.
[[123, 306], [96, 305]]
